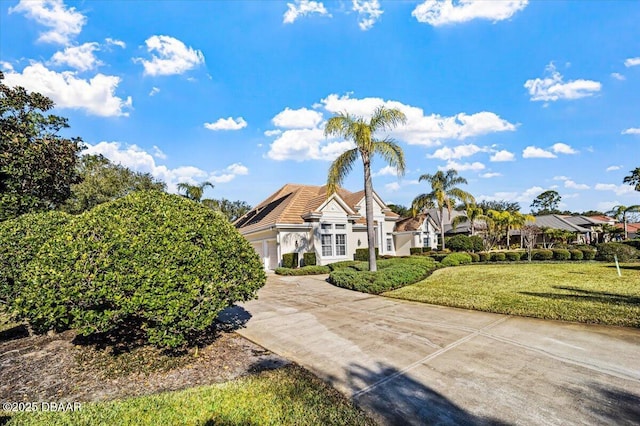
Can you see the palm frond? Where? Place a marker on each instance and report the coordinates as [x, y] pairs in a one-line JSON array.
[[386, 118], [340, 168], [392, 153]]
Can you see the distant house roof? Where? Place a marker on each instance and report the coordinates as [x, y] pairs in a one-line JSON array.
[[555, 221], [632, 228], [293, 201], [585, 221], [410, 223], [463, 227], [603, 218]]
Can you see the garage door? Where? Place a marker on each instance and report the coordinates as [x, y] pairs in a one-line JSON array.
[[258, 248], [272, 249]]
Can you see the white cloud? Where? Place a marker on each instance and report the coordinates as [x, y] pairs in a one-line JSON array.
[[369, 12], [6, 66], [618, 189], [553, 88], [80, 57], [568, 183], [503, 155], [393, 186], [461, 167], [631, 131], [157, 152], [272, 132], [613, 168], [605, 206], [137, 159], [420, 129], [64, 23], [490, 175], [535, 152], [386, 171], [154, 91], [227, 124], [632, 62], [562, 178], [173, 56], [306, 144], [618, 76], [563, 148], [96, 96], [457, 152], [297, 118], [303, 8], [442, 12], [115, 42]]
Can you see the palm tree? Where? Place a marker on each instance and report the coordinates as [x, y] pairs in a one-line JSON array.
[[518, 221], [633, 179], [194, 192], [443, 193], [361, 132], [620, 214], [471, 215]]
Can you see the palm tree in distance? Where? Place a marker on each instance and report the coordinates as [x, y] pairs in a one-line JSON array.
[[472, 214], [194, 192], [361, 132], [444, 193], [620, 214]]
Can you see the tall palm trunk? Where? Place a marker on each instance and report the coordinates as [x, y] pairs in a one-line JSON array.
[[508, 230], [368, 202], [442, 227]]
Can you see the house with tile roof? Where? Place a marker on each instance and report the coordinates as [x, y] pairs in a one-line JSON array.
[[301, 218]]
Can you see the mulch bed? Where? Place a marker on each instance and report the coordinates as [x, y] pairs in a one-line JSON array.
[[56, 367]]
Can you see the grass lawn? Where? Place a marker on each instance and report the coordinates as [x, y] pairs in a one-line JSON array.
[[287, 396], [585, 292]]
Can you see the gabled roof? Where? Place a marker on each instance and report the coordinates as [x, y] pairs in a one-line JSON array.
[[555, 221], [293, 201], [584, 221], [412, 223]]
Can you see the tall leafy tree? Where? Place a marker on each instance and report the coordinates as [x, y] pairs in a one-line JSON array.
[[194, 192], [231, 209], [444, 193], [621, 213], [37, 165], [633, 179], [104, 181], [546, 203], [362, 132], [499, 205]]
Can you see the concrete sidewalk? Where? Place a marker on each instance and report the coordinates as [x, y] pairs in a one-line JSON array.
[[413, 363]]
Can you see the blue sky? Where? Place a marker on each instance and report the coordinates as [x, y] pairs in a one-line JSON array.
[[518, 96]]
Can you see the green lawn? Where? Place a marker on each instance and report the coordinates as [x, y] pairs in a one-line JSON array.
[[287, 396], [585, 292]]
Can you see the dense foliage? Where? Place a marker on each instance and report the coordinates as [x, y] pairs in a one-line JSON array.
[[150, 261], [309, 258], [305, 270], [392, 274], [20, 240], [607, 251], [290, 260], [455, 259], [37, 166]]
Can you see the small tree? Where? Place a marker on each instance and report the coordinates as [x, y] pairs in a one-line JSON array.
[[546, 203], [529, 234], [194, 192]]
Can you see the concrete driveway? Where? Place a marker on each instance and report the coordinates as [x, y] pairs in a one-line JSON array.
[[413, 363]]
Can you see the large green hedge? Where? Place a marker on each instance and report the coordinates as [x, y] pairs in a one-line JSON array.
[[391, 274], [20, 240], [150, 260], [607, 251]]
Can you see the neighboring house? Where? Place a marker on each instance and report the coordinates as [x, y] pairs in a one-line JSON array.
[[593, 224], [633, 229], [581, 234], [300, 218], [419, 231]]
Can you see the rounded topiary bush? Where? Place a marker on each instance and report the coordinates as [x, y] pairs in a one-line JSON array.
[[607, 251], [561, 254], [476, 243], [475, 257], [151, 261], [20, 240], [484, 256], [588, 254], [542, 255], [459, 243], [498, 256], [576, 254], [455, 259], [513, 256]]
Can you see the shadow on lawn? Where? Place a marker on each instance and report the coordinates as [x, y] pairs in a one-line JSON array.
[[394, 398], [588, 295], [629, 267]]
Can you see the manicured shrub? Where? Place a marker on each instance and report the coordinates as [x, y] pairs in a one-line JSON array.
[[513, 256], [305, 270], [415, 251], [476, 242], [459, 243], [607, 251], [635, 243], [391, 274], [484, 256], [438, 257], [290, 260], [588, 254], [309, 258], [498, 256], [151, 262], [20, 240], [474, 257], [576, 254], [542, 254], [561, 254], [362, 254], [342, 264], [455, 259]]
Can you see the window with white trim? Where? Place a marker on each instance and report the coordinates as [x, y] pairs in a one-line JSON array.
[[333, 239], [341, 226], [341, 245], [327, 244], [389, 244]]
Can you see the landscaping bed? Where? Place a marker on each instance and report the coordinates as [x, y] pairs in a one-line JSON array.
[[587, 292]]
